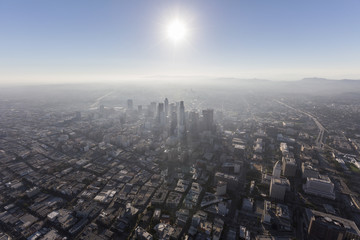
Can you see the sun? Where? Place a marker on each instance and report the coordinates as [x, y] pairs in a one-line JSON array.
[[176, 31]]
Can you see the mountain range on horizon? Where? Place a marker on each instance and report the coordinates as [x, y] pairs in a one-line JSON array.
[[313, 86]]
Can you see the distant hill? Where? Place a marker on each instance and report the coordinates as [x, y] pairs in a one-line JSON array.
[[327, 86], [226, 86], [317, 86]]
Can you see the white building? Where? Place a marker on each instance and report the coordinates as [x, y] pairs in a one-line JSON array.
[[32, 191], [53, 216], [322, 187], [284, 148], [277, 170]]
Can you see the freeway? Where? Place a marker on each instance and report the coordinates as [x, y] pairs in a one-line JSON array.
[[319, 140], [97, 102]]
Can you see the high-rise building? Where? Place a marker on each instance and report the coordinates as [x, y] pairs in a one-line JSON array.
[[208, 119], [284, 148], [166, 104], [309, 171], [173, 124], [160, 118], [78, 115], [326, 226], [181, 114], [289, 166], [277, 170], [160, 109], [278, 188], [322, 187], [140, 108], [231, 180], [277, 215], [193, 122], [181, 120], [221, 188], [102, 108], [129, 104], [172, 108], [152, 109]]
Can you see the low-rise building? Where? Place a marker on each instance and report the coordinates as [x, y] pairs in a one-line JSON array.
[[142, 234], [173, 199], [159, 197], [276, 214]]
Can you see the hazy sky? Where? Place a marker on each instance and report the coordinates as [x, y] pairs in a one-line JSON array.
[[85, 40]]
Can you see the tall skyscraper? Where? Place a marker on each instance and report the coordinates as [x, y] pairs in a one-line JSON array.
[[129, 104], [181, 120], [181, 114], [173, 123], [208, 119], [152, 109], [172, 108], [160, 118], [78, 115], [166, 102], [193, 122]]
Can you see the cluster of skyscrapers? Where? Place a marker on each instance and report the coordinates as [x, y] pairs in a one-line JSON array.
[[173, 118]]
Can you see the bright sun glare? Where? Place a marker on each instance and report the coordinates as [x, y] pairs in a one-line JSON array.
[[176, 31]]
